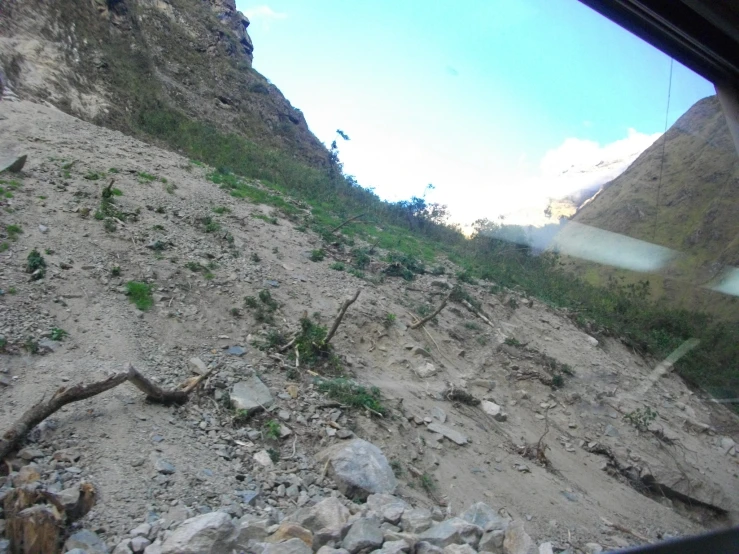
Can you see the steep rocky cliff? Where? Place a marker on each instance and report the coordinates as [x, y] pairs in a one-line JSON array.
[[131, 64]]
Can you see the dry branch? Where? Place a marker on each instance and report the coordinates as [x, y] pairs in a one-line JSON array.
[[339, 317], [345, 222], [36, 414], [433, 315], [471, 308]]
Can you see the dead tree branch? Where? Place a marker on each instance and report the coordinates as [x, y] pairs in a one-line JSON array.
[[342, 312], [433, 315], [36, 414], [471, 308], [345, 222], [43, 409]]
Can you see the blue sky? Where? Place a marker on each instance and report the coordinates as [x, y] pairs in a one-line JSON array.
[[489, 100]]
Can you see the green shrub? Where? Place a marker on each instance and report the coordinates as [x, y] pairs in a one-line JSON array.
[[58, 334], [641, 418], [389, 320], [35, 265], [351, 394], [338, 266], [272, 429], [140, 294], [317, 255]]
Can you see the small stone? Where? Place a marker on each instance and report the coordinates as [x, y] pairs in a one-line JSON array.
[[139, 544], [546, 548], [359, 468], [611, 431], [517, 541], [426, 370], [263, 458], [288, 530], [418, 351], [452, 531], [292, 546], [142, 530], [251, 395], [439, 414], [198, 366], [459, 549], [451, 434], [164, 467], [593, 548], [236, 351], [43, 228], [30, 453], [87, 541], [284, 415]]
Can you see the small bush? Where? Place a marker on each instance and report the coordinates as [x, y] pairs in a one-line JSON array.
[[317, 255], [35, 265], [272, 429], [220, 210], [140, 294], [338, 266], [92, 176], [511, 341], [352, 394], [58, 334], [389, 320], [13, 231], [115, 271], [255, 258], [641, 418]]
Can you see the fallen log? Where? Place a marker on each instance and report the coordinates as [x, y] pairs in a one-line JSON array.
[[432, 315], [339, 317]]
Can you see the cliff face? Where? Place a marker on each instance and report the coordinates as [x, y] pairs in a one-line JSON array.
[[693, 211], [113, 62]]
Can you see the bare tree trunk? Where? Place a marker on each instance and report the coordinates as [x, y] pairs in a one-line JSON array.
[[433, 315]]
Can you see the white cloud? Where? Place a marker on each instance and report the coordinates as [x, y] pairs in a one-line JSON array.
[[263, 12], [573, 166]]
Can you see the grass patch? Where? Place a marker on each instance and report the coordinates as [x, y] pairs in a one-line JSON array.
[[36, 265], [317, 255], [352, 394], [338, 266], [140, 294], [220, 210], [145, 177], [58, 334], [13, 231]]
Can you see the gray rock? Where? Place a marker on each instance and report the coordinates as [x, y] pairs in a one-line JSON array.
[[251, 395], [364, 534], [292, 546], [610, 431], [47, 346], [43, 228], [139, 544], [485, 517], [426, 370], [87, 541], [593, 548], [424, 547], [394, 547], [452, 531], [390, 507], [459, 549], [517, 541], [439, 414], [236, 351], [154, 548], [546, 548], [448, 432], [330, 550], [164, 467], [251, 528], [329, 512], [76, 551], [4, 546], [205, 534], [198, 366], [492, 541], [359, 468], [328, 536], [123, 547], [416, 520]]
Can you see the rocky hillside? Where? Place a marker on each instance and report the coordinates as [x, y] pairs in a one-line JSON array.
[[692, 210], [150, 67], [116, 252]]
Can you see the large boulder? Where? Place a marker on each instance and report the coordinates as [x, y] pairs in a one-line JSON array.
[[359, 469], [293, 546], [211, 533], [452, 531], [416, 520], [87, 541]]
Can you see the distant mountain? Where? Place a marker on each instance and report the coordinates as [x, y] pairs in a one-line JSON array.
[[693, 208]]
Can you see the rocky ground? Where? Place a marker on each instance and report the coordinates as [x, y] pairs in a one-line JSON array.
[[546, 425]]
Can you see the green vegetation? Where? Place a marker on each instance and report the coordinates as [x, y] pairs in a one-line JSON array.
[[351, 394], [113, 170], [317, 255], [92, 176], [220, 210], [641, 418], [35, 265], [255, 258], [58, 334], [140, 294], [326, 198], [263, 308], [512, 341], [389, 320], [116, 192], [145, 177], [272, 429], [427, 483], [115, 271], [4, 246], [13, 231], [338, 266], [31, 346]]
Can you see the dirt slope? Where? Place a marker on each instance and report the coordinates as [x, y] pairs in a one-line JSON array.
[[599, 464]]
